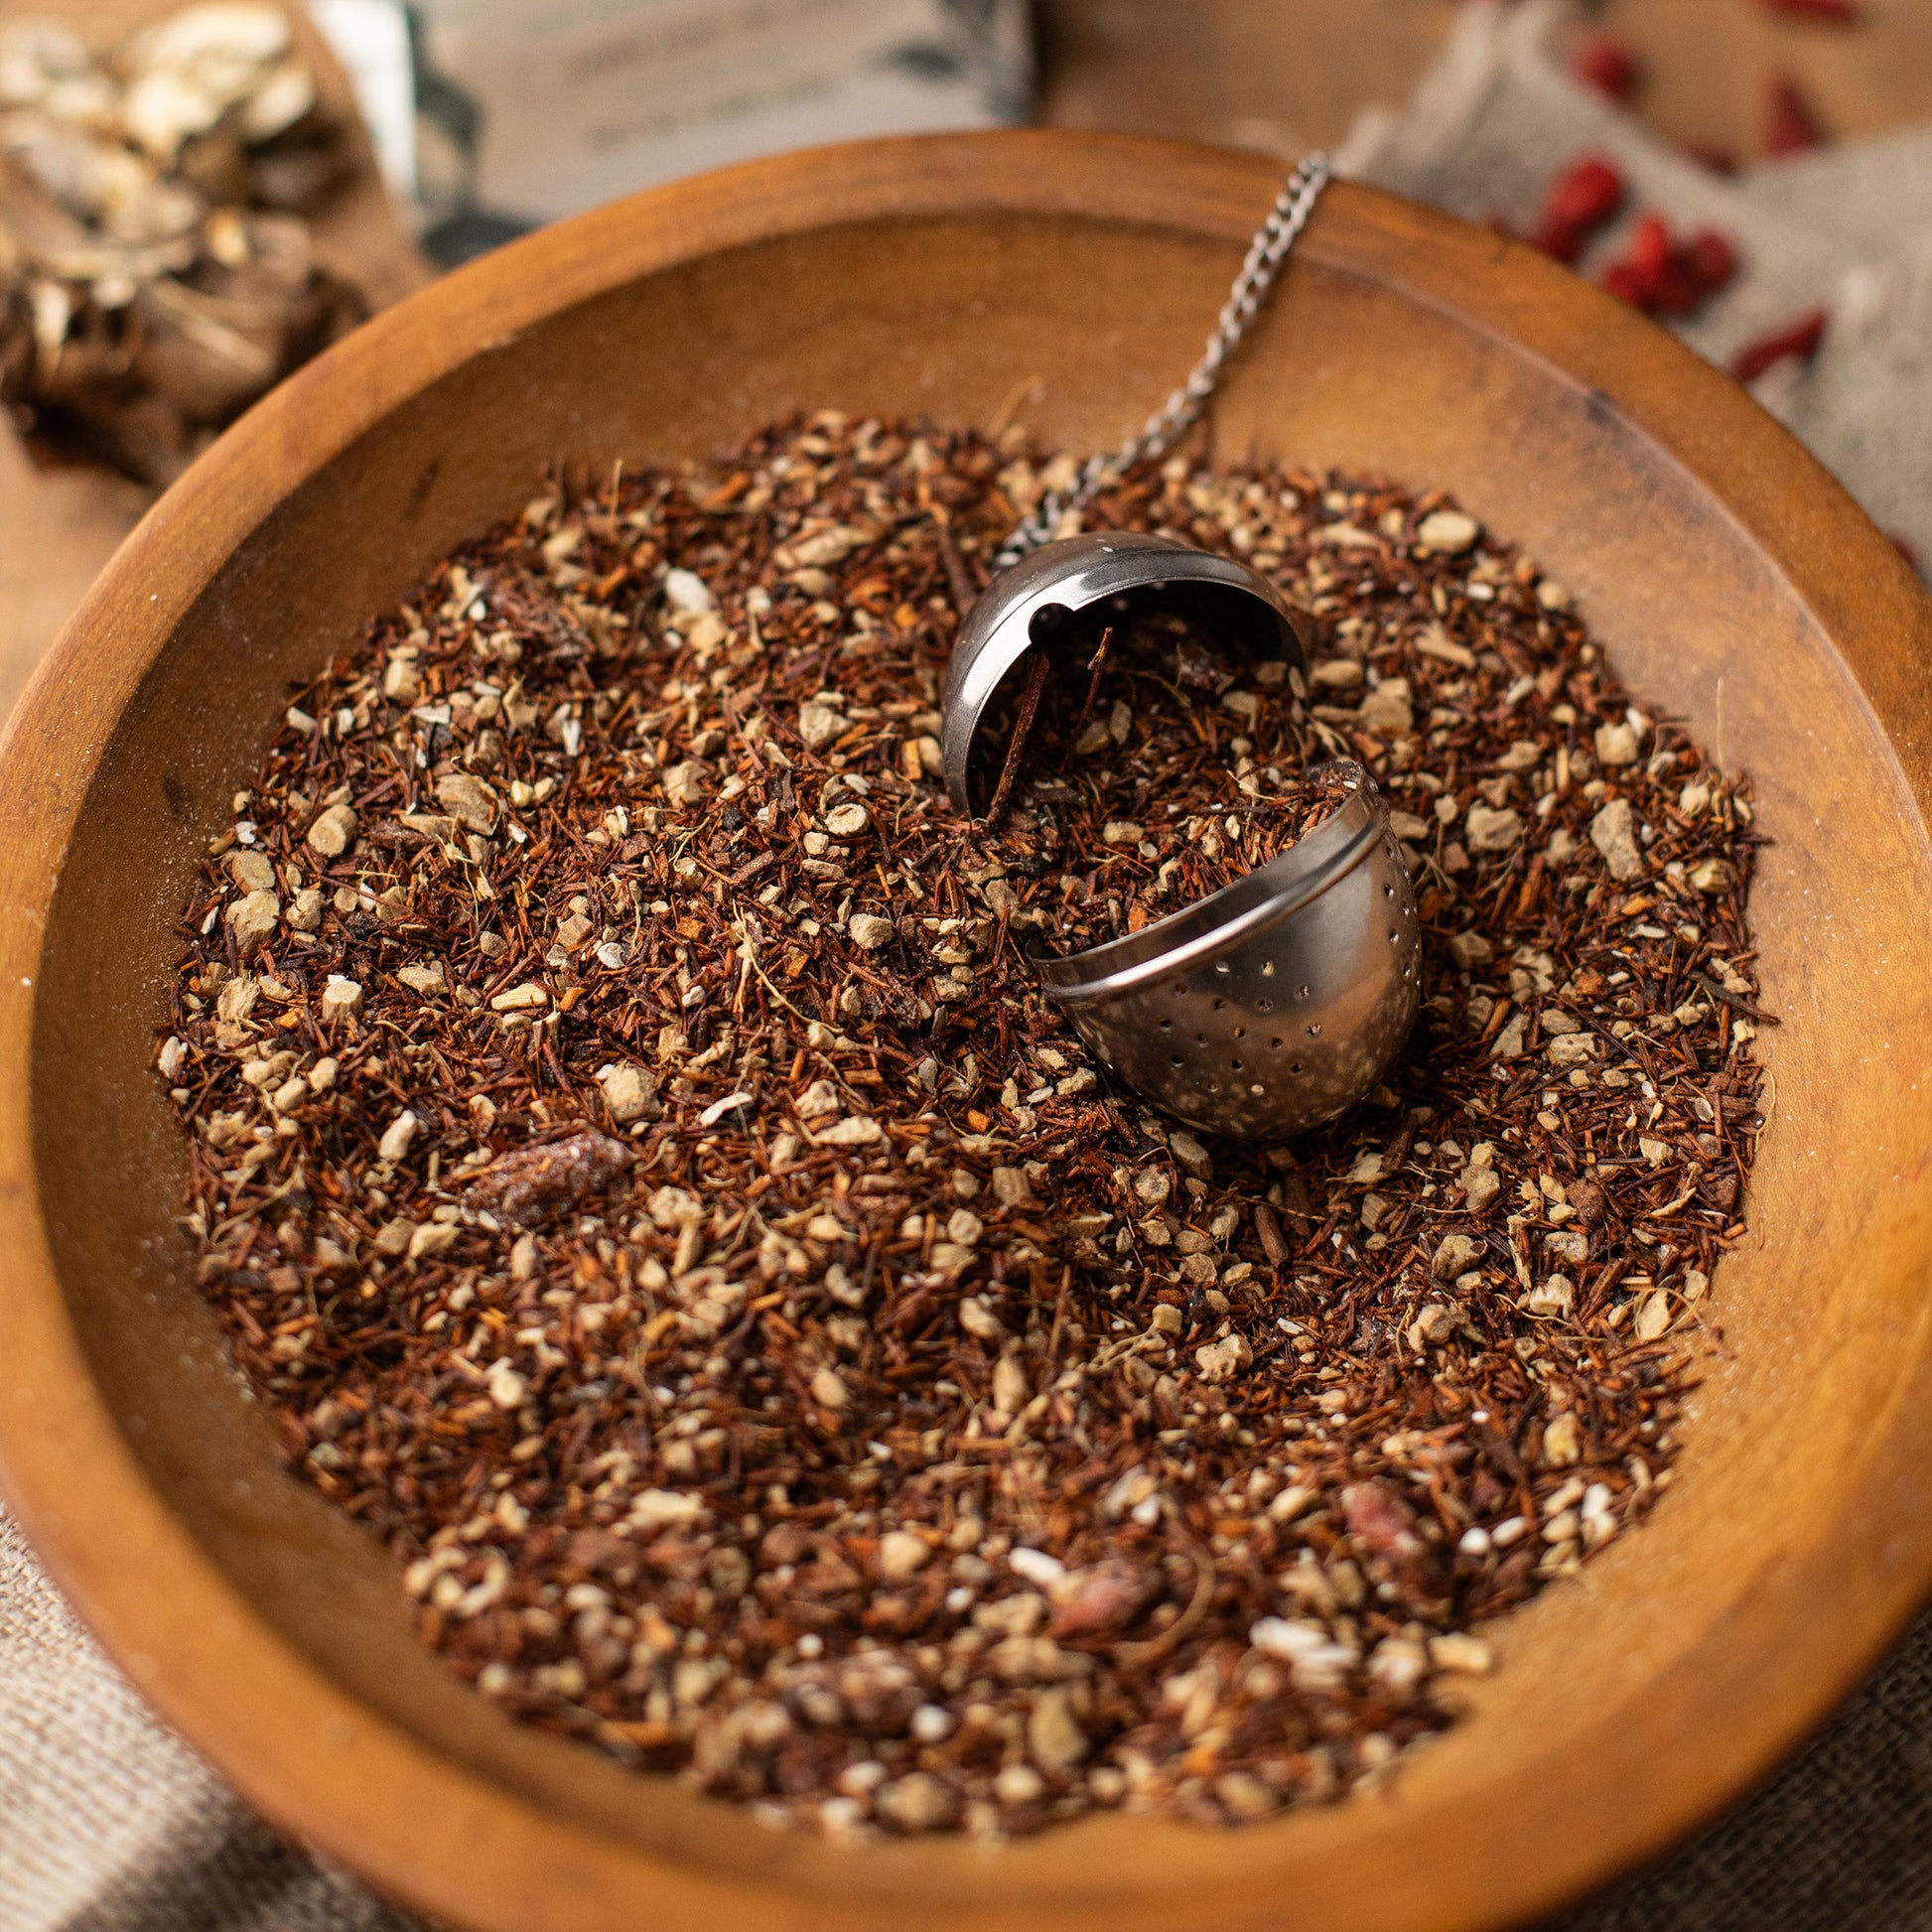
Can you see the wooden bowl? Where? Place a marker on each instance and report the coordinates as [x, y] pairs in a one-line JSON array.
[[1072, 278]]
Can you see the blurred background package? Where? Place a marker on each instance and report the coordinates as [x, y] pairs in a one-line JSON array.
[[524, 110]]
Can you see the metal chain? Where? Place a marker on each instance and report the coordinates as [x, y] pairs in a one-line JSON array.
[[1273, 241]]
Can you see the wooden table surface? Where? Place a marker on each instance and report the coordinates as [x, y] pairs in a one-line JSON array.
[[1274, 75]]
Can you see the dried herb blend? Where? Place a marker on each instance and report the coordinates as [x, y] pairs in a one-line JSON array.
[[1126, 758], [631, 1153]]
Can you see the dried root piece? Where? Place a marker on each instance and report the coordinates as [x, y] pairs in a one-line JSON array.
[[155, 275]]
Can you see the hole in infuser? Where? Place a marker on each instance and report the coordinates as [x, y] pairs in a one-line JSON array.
[[1267, 969], [1300, 992], [1240, 1033], [1314, 1030], [1296, 1068], [1047, 622], [1223, 968]]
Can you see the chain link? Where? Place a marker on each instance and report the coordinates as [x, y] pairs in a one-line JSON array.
[[1270, 247]]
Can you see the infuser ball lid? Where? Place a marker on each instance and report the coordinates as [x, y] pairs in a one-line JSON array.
[[1064, 589]]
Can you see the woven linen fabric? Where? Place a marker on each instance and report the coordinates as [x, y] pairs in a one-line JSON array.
[[109, 1823], [1846, 229], [1840, 1841]]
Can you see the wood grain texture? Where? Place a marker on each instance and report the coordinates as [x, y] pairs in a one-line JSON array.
[[1736, 586]]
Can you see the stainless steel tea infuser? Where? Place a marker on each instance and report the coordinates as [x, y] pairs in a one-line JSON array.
[[1275, 1003], [1033, 604]]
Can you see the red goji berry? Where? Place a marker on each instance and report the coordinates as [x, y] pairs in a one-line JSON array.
[[1586, 194], [1558, 242], [1792, 126], [1720, 161], [1650, 245], [1796, 341], [1665, 277], [1609, 65], [1621, 282], [1712, 259]]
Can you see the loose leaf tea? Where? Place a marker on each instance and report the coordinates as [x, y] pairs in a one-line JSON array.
[[632, 1159], [1133, 763]]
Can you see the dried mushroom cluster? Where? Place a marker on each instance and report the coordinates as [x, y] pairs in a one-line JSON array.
[[630, 1154], [156, 272]]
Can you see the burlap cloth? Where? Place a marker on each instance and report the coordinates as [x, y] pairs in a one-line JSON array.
[[109, 1823], [1846, 229]]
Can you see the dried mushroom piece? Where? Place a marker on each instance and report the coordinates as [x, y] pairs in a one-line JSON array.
[[155, 275]]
